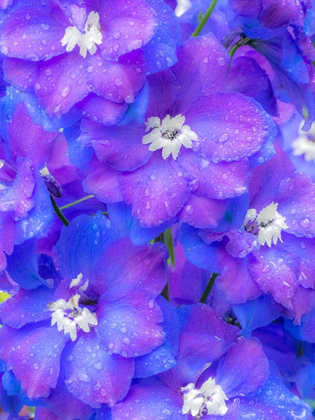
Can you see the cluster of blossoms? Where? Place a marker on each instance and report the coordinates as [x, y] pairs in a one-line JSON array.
[[157, 209]]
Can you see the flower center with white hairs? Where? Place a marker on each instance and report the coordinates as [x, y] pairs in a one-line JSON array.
[[304, 145], [267, 224], [87, 41], [69, 316], [209, 399], [170, 135]]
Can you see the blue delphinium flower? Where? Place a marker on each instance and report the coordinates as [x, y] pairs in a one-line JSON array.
[[195, 140], [9, 403], [96, 53], [25, 208], [82, 334], [281, 31], [217, 376], [303, 331], [294, 359], [300, 145], [268, 248]]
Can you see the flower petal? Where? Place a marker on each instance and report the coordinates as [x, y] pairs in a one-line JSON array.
[[30, 31], [275, 402], [104, 183], [150, 400], [200, 71], [215, 180], [125, 27], [129, 266], [230, 126], [129, 322], [102, 110], [243, 369], [61, 82], [35, 360], [27, 306], [119, 147], [157, 191], [33, 142], [276, 271], [91, 372]]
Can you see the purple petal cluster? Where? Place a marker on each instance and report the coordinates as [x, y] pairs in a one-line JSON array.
[[157, 209]]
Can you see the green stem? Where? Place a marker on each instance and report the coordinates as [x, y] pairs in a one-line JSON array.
[[59, 213], [159, 238], [76, 202], [207, 291], [237, 45], [168, 241], [204, 19], [166, 291]]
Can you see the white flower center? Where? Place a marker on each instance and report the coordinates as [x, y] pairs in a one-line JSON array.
[[209, 399], [69, 316], [304, 145], [88, 40], [170, 135], [267, 224]]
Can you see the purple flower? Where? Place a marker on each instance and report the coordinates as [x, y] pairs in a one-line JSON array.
[[95, 54], [270, 252], [25, 208], [271, 14], [10, 403], [216, 376], [196, 140], [74, 336], [292, 65], [187, 282], [277, 31], [304, 331], [280, 347], [251, 75], [295, 360], [281, 32], [66, 180], [300, 145]]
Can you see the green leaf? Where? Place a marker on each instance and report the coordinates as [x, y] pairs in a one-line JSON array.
[[168, 240]]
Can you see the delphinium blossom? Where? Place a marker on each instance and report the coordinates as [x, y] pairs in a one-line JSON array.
[[267, 249], [300, 145], [25, 208], [75, 334], [194, 139], [97, 57], [281, 31], [217, 377]]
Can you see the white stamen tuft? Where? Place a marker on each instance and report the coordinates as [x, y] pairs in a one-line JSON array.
[[170, 135], [304, 145], [182, 7], [85, 286], [209, 399], [76, 281], [88, 40], [68, 316], [268, 224]]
